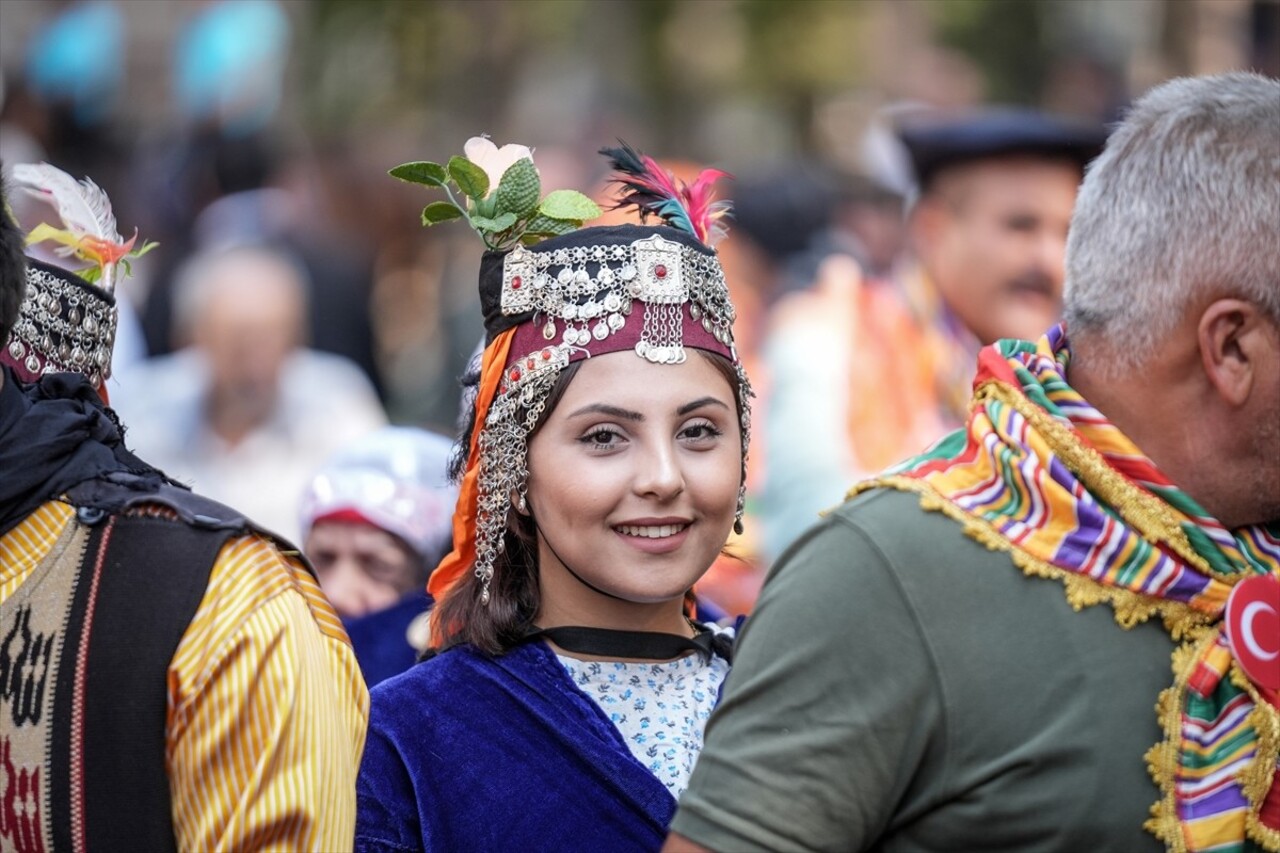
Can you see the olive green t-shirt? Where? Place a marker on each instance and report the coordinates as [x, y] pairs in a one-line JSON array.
[[900, 687]]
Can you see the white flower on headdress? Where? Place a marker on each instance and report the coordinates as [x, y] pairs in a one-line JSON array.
[[494, 160]]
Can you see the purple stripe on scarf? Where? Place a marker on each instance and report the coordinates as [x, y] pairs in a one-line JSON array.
[[1226, 799], [1187, 585], [1261, 542], [1090, 520]]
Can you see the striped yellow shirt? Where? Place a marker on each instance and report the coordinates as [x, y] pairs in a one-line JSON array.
[[267, 708]]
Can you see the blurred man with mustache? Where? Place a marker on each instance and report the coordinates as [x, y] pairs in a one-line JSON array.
[[990, 228], [870, 369]]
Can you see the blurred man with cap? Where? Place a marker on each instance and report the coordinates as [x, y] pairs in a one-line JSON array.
[[171, 676], [1058, 628], [376, 519], [868, 369], [989, 230]]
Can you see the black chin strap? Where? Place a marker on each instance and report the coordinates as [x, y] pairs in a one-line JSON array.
[[643, 645]]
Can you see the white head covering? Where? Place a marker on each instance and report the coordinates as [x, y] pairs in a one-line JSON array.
[[396, 479]]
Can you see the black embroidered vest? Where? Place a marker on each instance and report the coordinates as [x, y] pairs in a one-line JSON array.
[[85, 646]]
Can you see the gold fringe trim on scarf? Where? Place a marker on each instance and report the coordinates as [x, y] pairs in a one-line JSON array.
[[1162, 759], [1130, 608], [1259, 776]]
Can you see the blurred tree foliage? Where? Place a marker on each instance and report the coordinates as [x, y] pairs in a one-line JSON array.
[[665, 60], [1006, 39], [412, 55], [666, 64]]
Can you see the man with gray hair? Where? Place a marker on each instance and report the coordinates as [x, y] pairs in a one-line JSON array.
[[914, 677]]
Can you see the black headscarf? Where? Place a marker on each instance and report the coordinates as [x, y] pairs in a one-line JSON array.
[[55, 434]]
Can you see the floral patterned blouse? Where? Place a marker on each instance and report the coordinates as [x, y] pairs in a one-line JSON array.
[[661, 709]]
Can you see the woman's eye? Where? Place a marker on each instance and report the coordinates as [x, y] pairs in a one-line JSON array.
[[601, 438], [700, 432]]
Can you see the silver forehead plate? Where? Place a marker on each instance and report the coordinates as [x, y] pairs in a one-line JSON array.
[[661, 279]]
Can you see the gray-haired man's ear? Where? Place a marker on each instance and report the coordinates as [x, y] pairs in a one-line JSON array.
[[1235, 337]]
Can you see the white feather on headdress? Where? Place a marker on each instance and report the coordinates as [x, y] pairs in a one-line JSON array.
[[89, 231]]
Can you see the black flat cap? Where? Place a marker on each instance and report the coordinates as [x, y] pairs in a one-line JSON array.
[[938, 141]]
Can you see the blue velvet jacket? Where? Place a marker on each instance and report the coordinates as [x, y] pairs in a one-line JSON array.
[[467, 752]]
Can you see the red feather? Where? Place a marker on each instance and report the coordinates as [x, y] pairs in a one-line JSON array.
[[655, 191]]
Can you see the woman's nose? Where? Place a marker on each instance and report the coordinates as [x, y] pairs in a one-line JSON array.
[[660, 474]]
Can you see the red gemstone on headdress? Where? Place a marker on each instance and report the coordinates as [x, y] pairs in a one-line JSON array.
[[530, 363], [516, 282], [660, 271], [515, 374], [546, 355]]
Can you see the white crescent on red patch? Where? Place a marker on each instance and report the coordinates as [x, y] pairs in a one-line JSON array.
[[1253, 629]]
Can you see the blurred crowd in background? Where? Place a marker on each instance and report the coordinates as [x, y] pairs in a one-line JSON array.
[[251, 139]]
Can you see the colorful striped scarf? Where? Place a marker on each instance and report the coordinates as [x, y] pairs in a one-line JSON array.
[[1039, 473]]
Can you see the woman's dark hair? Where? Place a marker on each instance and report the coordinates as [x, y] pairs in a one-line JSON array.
[[13, 266], [514, 594]]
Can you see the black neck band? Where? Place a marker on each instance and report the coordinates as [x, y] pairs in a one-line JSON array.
[[642, 645]]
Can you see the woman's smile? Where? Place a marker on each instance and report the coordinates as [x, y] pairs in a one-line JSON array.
[[654, 536]]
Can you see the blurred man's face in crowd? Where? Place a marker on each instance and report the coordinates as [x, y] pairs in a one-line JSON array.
[[992, 236], [249, 328]]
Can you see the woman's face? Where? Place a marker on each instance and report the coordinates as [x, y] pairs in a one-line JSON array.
[[362, 568], [633, 483]]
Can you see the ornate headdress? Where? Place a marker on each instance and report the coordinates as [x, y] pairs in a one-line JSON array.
[[655, 290], [67, 322]]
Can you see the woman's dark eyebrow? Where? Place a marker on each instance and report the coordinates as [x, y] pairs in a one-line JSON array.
[[698, 404], [628, 415], [611, 411]]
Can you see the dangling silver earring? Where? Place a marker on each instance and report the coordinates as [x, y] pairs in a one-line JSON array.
[[742, 508], [522, 505]]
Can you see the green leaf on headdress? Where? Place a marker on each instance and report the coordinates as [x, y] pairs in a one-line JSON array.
[[519, 188], [469, 177], [545, 226], [144, 248], [125, 261], [486, 207], [421, 172], [440, 211], [501, 222], [568, 204]]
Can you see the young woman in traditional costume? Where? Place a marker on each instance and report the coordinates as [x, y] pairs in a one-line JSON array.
[[565, 702]]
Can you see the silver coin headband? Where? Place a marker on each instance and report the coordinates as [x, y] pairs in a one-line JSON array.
[[64, 326], [593, 288]]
